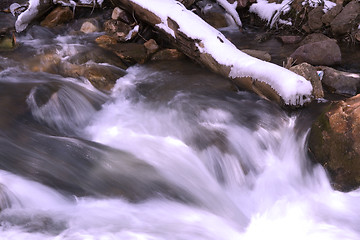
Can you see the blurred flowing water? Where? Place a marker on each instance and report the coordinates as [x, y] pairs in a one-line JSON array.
[[172, 152]]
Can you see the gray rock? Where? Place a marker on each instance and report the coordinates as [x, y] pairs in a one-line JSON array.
[[346, 19], [330, 15], [340, 82], [314, 18], [310, 73], [318, 53]]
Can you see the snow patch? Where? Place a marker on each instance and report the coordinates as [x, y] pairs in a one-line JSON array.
[[270, 11], [293, 88]]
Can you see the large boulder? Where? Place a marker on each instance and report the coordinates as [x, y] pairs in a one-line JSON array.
[[340, 82], [334, 142], [314, 37], [309, 72], [318, 53], [347, 19]]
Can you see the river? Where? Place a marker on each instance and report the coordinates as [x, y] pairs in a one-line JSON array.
[[172, 152]]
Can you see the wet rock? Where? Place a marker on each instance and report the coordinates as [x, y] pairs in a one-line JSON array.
[[102, 77], [59, 15], [90, 26], [167, 54], [334, 141], [119, 30], [330, 15], [314, 37], [290, 39], [151, 46], [314, 18], [347, 19], [97, 55], [310, 73], [340, 82], [318, 53], [105, 40], [130, 53], [265, 56], [48, 62]]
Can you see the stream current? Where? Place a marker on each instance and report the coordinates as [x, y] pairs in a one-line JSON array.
[[172, 152]]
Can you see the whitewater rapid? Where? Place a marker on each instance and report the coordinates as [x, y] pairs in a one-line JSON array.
[[169, 154]]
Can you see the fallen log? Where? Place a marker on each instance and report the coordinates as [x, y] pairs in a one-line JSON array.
[[207, 46]]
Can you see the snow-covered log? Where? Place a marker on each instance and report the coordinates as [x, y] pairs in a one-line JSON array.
[[201, 42]]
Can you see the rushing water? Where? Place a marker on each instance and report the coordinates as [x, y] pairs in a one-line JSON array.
[[173, 152]]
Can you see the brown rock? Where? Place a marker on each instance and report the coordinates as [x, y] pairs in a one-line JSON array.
[[151, 46], [258, 54], [167, 54], [314, 37], [334, 141], [105, 40], [130, 53], [120, 14], [290, 39], [59, 15], [309, 72], [102, 77], [347, 19], [340, 82], [330, 15], [318, 53], [314, 18], [117, 29]]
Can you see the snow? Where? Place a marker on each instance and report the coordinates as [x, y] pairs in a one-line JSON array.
[[26, 17], [231, 9], [293, 88], [270, 11]]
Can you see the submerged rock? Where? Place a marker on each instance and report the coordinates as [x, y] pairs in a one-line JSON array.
[[334, 141], [340, 82]]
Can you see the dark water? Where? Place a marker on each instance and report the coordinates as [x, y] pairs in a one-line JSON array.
[[172, 152]]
